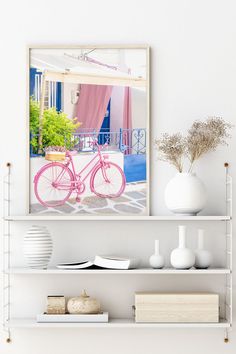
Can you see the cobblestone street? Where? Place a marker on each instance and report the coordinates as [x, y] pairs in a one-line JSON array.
[[132, 201]]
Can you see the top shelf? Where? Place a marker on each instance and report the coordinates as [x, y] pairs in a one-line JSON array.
[[118, 218]]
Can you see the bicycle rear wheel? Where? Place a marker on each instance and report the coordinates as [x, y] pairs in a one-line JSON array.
[[53, 184], [108, 181]]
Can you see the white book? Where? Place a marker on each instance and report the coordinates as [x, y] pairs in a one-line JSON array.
[[102, 262], [76, 265], [68, 318], [113, 262]]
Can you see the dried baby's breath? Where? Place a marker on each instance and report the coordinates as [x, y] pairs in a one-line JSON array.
[[202, 138], [171, 149]]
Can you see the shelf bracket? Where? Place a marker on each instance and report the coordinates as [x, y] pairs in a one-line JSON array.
[[6, 311]]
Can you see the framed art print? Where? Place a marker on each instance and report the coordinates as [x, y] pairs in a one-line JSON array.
[[89, 130]]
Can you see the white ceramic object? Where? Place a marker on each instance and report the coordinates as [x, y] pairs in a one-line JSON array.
[[38, 247], [182, 257], [185, 194], [203, 258], [83, 304], [157, 261]]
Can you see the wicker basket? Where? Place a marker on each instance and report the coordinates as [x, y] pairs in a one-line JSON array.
[[55, 156]]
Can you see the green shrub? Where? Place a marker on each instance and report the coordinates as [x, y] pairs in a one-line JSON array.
[[57, 128], [34, 123]]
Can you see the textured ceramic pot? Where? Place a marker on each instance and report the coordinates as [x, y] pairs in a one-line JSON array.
[[83, 304], [182, 257], [203, 258], [157, 261], [38, 247], [185, 194]]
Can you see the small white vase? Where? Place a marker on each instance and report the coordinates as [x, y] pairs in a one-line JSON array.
[[157, 261], [203, 258], [182, 257], [38, 247], [185, 194]]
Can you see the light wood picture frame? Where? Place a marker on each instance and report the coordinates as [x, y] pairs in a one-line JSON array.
[[83, 99]]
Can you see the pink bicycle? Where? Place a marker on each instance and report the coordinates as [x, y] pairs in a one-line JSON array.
[[54, 182]]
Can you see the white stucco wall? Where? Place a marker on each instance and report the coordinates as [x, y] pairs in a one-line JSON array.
[[67, 105]]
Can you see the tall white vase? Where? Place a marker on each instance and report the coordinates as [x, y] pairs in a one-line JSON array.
[[38, 247], [203, 258], [157, 261], [182, 257], [185, 194]]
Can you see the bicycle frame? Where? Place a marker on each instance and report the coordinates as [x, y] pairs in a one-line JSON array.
[[68, 180], [78, 180]]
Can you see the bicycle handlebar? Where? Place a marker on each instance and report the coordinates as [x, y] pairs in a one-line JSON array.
[[95, 143]]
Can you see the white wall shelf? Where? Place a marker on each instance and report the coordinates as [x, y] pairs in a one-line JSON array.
[[148, 271], [113, 323], [10, 322], [116, 218]]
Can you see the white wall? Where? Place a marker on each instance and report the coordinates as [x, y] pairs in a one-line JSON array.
[[193, 75], [139, 108], [69, 107], [117, 108]]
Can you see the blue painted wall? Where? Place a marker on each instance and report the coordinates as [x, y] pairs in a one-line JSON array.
[[135, 168]]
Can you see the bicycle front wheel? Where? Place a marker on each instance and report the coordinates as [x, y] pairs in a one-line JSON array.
[[108, 181], [53, 184]]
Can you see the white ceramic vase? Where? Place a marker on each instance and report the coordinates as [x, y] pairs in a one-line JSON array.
[[203, 258], [157, 261], [182, 257], [38, 247], [185, 194]]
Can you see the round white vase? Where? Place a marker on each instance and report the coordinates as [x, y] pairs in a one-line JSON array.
[[38, 247], [157, 261], [185, 194], [182, 257], [203, 258]]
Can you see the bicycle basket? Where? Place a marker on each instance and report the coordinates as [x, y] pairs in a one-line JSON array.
[[55, 156]]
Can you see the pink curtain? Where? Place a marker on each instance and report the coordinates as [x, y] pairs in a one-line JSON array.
[[92, 105], [127, 118]]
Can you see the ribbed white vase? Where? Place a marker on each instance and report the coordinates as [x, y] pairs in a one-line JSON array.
[[38, 247]]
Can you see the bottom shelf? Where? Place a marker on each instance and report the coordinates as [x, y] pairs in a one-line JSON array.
[[113, 323]]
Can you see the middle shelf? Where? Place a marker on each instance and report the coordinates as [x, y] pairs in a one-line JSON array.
[[114, 271]]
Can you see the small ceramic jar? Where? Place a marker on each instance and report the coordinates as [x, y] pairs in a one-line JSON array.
[[83, 304]]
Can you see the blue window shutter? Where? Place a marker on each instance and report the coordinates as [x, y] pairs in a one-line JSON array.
[[32, 81], [58, 97]]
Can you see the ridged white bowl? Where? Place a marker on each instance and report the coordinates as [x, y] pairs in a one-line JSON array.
[[38, 247]]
